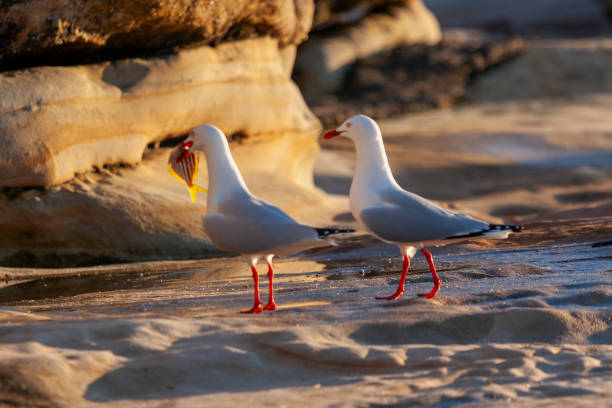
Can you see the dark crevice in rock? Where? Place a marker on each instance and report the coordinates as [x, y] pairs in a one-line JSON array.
[[72, 56], [243, 32], [171, 141], [113, 166], [14, 192], [106, 170], [238, 137], [329, 14], [412, 78]]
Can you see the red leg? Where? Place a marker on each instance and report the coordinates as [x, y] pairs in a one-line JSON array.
[[434, 274], [271, 305], [400, 287], [257, 306]]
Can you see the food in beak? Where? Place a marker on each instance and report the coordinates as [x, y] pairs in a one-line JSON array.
[[184, 167]]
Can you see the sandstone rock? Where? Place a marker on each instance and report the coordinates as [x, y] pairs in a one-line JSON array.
[[549, 69], [39, 32], [415, 78], [56, 121], [323, 61], [142, 213]]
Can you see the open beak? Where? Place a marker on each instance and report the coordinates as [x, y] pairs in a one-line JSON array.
[[186, 152], [332, 133]]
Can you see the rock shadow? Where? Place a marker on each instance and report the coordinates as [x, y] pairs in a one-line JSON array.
[[125, 74]]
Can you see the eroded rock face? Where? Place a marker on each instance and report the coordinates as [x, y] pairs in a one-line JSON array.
[[416, 77], [324, 60], [142, 213], [63, 128], [549, 69], [57, 121], [41, 32]]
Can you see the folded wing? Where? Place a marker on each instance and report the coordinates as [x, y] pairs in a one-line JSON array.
[[406, 217]]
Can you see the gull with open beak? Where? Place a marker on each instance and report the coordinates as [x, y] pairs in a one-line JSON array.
[[398, 216]]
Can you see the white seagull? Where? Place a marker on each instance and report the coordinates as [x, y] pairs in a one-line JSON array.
[[239, 222], [397, 216]]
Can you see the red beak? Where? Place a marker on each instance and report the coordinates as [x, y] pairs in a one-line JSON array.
[[331, 133]]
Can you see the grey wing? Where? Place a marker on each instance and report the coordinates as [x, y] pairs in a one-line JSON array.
[[252, 236], [248, 206], [408, 218]]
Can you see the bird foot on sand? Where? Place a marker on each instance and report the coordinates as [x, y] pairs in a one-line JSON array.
[[433, 291], [392, 297], [270, 306], [257, 308]]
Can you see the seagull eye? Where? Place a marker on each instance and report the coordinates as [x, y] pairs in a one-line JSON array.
[[348, 124]]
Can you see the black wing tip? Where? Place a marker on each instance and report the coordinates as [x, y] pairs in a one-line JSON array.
[[601, 244], [492, 227], [324, 232], [502, 227]]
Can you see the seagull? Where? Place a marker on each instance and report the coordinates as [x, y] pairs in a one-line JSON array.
[[397, 216], [237, 221]]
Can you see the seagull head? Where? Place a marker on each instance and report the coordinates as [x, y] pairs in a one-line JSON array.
[[356, 128], [202, 137]]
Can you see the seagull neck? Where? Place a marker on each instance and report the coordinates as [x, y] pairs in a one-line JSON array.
[[372, 166], [224, 178]]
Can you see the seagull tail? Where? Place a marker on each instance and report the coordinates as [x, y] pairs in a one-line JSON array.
[[514, 228], [500, 231], [325, 232]]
